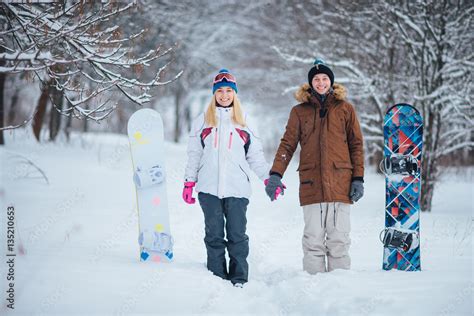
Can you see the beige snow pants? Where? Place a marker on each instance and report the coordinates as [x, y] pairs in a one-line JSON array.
[[326, 234]]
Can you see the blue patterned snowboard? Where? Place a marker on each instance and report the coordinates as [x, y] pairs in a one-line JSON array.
[[403, 136]]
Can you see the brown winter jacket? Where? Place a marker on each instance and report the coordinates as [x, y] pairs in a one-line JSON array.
[[331, 146]]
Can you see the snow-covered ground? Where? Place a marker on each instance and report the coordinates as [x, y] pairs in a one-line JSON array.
[[79, 251]]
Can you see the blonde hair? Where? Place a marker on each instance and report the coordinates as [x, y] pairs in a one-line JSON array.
[[237, 114]]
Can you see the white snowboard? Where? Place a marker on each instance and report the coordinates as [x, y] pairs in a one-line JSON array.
[[145, 134]]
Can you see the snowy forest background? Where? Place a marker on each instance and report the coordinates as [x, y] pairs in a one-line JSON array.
[[88, 66], [73, 72]]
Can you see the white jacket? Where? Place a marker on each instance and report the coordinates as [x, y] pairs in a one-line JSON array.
[[217, 160]]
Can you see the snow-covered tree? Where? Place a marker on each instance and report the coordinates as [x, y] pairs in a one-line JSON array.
[[79, 50], [211, 36], [437, 41], [418, 52]]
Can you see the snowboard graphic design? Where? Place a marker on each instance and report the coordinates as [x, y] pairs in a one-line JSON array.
[[145, 135], [403, 140]]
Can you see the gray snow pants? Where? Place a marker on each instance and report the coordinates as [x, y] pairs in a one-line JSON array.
[[228, 213], [326, 235]]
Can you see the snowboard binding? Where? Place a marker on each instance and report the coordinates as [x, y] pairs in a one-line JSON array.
[[400, 239], [157, 242], [144, 178], [400, 164]]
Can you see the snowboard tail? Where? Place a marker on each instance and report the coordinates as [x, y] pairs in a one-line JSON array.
[[155, 245], [403, 140]]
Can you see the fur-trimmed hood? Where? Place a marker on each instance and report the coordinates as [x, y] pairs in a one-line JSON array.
[[303, 94]]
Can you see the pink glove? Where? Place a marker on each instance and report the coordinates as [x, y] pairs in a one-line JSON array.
[[278, 189], [188, 192]]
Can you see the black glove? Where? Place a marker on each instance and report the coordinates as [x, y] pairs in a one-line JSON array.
[[357, 190], [271, 186]]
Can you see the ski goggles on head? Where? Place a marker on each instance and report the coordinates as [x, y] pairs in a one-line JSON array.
[[227, 76]]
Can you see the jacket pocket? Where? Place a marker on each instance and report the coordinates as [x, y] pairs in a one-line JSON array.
[[343, 165], [245, 173], [204, 158], [305, 166], [342, 177], [200, 167], [306, 173]]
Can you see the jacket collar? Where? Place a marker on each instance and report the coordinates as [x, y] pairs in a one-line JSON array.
[[224, 110], [317, 102], [303, 94]]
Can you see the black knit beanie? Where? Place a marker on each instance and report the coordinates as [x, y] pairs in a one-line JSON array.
[[320, 68]]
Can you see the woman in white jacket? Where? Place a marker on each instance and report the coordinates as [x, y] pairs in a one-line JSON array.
[[223, 147]]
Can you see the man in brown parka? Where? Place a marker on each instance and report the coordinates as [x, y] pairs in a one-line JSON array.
[[331, 168]]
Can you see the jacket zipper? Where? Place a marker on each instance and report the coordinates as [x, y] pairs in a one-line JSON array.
[[321, 153], [220, 167]]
